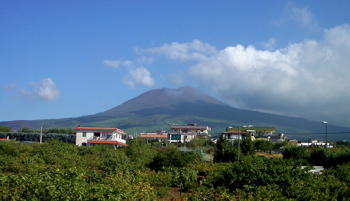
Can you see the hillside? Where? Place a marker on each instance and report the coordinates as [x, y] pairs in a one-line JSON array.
[[160, 108]]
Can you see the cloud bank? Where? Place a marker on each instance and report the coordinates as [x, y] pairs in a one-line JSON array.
[[308, 79]]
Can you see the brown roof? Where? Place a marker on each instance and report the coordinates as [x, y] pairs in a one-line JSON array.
[[106, 142]]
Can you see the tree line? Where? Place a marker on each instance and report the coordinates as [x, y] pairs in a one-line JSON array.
[[68, 130], [35, 137]]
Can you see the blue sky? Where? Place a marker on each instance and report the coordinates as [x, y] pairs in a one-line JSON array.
[[64, 59]]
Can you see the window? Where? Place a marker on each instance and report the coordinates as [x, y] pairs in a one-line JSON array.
[[175, 137], [84, 134]]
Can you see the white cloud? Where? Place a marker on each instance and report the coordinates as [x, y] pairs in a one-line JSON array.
[[118, 63], [44, 90], [308, 79], [302, 16], [195, 50], [139, 76], [177, 78], [136, 76], [8, 87], [270, 44]]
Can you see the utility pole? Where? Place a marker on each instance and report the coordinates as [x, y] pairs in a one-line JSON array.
[[41, 134], [239, 141]]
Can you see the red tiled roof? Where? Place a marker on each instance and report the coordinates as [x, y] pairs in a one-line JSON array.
[[106, 142], [4, 139], [100, 129]]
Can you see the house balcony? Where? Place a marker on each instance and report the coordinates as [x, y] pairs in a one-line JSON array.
[[106, 140]]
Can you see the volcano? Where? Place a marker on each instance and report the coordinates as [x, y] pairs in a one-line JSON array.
[[158, 109]]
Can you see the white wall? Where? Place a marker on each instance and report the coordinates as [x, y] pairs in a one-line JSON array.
[[79, 139]]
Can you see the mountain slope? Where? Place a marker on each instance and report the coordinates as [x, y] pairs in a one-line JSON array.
[[158, 109], [161, 98]]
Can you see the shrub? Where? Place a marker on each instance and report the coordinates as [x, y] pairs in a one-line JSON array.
[[172, 157]]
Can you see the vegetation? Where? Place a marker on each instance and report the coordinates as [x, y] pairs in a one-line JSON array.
[[56, 170], [68, 130], [35, 137], [5, 129]]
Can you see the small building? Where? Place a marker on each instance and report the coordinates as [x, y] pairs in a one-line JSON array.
[[160, 136], [312, 140], [315, 143], [234, 133], [232, 136], [91, 135], [185, 133], [253, 131], [273, 137]]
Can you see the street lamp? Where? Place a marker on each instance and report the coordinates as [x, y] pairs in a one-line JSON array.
[[325, 123]]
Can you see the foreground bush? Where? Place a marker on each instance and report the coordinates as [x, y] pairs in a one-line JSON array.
[[62, 171], [56, 170]]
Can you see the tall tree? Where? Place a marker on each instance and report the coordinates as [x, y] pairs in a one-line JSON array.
[[225, 151]]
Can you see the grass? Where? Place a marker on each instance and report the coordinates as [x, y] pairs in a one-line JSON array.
[[268, 155]]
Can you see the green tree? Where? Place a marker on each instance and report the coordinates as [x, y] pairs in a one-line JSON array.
[[172, 157], [225, 151], [317, 156], [247, 146], [26, 130], [278, 145], [294, 152], [200, 143], [139, 152], [264, 145], [5, 129]]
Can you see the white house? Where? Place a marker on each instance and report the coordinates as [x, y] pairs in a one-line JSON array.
[[274, 137], [89, 135], [232, 136], [185, 133]]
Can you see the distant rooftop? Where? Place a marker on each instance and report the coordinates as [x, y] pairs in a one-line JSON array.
[[190, 126], [100, 129]]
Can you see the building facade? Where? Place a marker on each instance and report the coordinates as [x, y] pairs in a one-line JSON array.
[[160, 136], [91, 135], [185, 133]]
